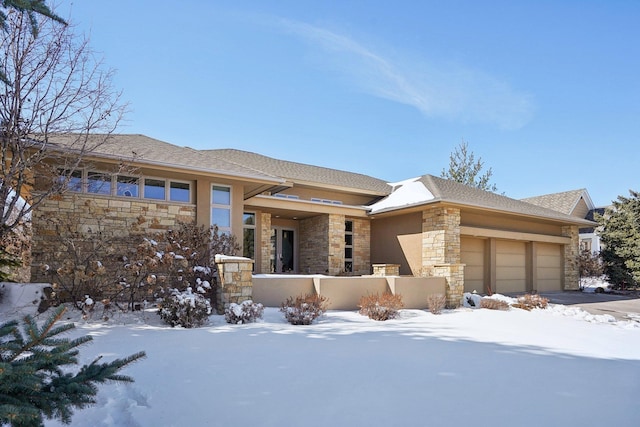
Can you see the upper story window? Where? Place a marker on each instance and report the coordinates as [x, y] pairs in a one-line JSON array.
[[221, 207], [97, 182]]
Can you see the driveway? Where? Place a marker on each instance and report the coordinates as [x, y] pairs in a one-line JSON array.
[[622, 307]]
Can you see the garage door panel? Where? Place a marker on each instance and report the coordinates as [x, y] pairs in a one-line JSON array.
[[511, 272], [549, 269], [472, 255]]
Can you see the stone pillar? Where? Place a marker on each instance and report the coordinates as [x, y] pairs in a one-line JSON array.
[[454, 275], [361, 246], [336, 244], [235, 281], [441, 250], [265, 243], [386, 269], [571, 258]]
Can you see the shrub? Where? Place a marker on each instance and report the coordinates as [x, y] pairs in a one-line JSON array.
[[245, 312], [380, 307], [494, 304], [303, 310], [530, 301], [186, 309], [436, 303]]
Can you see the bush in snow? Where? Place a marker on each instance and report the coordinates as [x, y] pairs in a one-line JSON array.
[[494, 304], [381, 307], [530, 301], [436, 303], [245, 312], [304, 309], [186, 309]]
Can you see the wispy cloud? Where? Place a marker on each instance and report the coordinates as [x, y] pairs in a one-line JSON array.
[[448, 91]]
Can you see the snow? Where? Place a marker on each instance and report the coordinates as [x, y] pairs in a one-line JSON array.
[[405, 193], [558, 367]]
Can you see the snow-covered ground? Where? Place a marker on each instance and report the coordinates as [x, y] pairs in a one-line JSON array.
[[555, 367]]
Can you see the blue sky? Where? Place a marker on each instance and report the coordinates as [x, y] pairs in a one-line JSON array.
[[547, 93]]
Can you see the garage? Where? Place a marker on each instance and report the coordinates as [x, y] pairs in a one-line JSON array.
[[548, 267], [472, 255], [511, 266]]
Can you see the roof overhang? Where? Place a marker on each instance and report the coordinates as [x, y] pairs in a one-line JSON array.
[[299, 209]]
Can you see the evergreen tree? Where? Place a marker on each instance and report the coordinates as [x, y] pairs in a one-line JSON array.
[[34, 383], [620, 236], [464, 168]]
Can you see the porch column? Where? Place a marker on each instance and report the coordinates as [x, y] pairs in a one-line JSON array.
[[265, 243], [441, 250], [235, 281]]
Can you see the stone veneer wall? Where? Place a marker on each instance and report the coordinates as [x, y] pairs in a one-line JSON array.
[[265, 243], [314, 245], [361, 246], [336, 244], [115, 217], [236, 281], [441, 250], [17, 243], [571, 258]]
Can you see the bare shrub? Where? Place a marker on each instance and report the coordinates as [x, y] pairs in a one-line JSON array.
[[245, 312], [494, 304], [186, 309], [436, 303], [304, 309], [380, 307], [530, 301]]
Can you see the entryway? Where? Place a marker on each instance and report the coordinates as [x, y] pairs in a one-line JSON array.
[[282, 257]]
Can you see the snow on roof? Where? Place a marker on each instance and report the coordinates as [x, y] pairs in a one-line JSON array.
[[405, 193]]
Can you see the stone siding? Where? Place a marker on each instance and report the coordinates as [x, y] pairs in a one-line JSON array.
[[361, 246], [265, 243], [111, 217], [236, 281], [571, 258], [336, 244], [314, 245]]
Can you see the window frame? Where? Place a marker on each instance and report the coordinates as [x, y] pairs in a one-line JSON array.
[[220, 206]]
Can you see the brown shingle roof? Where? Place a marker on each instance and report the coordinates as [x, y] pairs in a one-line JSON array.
[[145, 150], [446, 190], [563, 202], [302, 173]]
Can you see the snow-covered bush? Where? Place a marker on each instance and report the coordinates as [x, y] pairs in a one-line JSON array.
[[245, 312], [380, 307], [471, 299], [304, 309], [530, 301], [494, 304], [186, 309], [436, 303]]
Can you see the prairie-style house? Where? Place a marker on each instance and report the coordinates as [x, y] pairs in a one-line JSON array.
[[298, 218]]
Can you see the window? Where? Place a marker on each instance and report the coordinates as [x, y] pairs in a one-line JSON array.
[[74, 182], [127, 186], [154, 189], [98, 183], [179, 191], [221, 208], [348, 246], [249, 235]]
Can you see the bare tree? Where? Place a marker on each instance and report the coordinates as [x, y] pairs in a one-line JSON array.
[[59, 106], [464, 168]]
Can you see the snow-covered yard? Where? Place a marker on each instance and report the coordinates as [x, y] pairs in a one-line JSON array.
[[554, 367]]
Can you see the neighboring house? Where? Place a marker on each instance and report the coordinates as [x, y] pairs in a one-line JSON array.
[[575, 203], [298, 218]]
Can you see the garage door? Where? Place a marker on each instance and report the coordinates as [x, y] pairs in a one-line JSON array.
[[472, 255], [511, 270], [549, 267]]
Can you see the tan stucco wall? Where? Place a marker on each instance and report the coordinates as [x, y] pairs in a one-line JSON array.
[[346, 198], [398, 240], [507, 223]]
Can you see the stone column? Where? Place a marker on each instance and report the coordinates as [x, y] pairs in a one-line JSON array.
[[336, 244], [265, 243], [386, 269], [571, 258], [441, 250], [235, 281]]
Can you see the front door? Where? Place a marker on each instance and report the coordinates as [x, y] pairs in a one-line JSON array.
[[282, 250]]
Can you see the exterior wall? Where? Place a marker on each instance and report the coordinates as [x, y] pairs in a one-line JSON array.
[[236, 283], [571, 256], [311, 193], [398, 240], [17, 244], [507, 223], [113, 217], [336, 244], [581, 210]]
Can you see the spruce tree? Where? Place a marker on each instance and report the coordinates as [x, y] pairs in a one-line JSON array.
[[464, 168], [620, 237], [35, 382]]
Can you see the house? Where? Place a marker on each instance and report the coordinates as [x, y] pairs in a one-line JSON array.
[[298, 218], [575, 203]]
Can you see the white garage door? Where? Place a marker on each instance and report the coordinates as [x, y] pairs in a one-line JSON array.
[[549, 267], [511, 270], [472, 255]]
